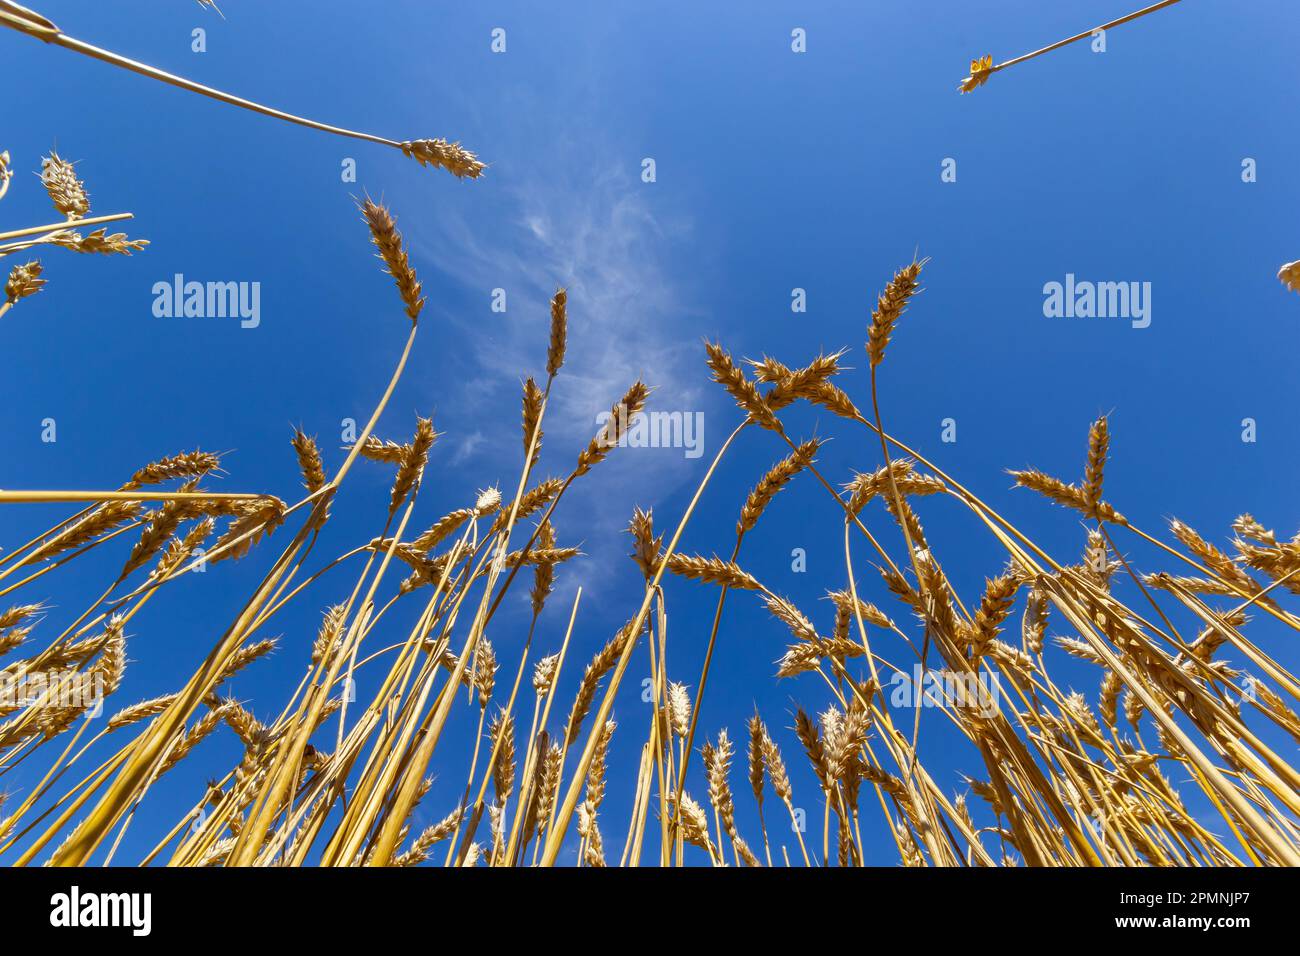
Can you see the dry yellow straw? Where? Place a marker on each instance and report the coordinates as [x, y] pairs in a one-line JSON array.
[[32, 497], [458, 161]]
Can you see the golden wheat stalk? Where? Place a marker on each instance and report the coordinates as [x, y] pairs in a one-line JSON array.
[[452, 157], [984, 67]]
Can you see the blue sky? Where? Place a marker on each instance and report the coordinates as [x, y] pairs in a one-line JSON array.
[[775, 170]]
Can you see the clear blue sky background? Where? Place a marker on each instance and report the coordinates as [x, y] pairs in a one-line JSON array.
[[775, 170]]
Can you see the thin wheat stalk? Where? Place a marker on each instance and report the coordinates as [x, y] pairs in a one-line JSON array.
[[57, 227], [982, 69], [460, 162]]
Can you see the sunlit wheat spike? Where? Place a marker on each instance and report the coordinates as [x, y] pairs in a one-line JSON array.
[[791, 617], [548, 786], [163, 522], [596, 775], [807, 656], [713, 571], [809, 734], [559, 332], [544, 673], [427, 570], [1012, 657], [1247, 527], [679, 708], [485, 671], [6, 174], [889, 307], [995, 605], [1220, 563], [794, 384], [833, 398], [388, 452], [384, 234], [19, 613], [427, 839], [502, 734], [190, 464], [1268, 700], [112, 663], [105, 518], [777, 478], [695, 824], [1070, 496], [67, 192], [138, 712], [533, 500], [247, 655], [600, 665], [202, 728], [845, 732], [327, 639], [1094, 470], [870, 613], [1108, 698], [309, 461], [439, 153], [730, 376], [538, 556], [543, 571], [411, 468], [1281, 562], [532, 418], [1033, 623], [247, 728], [24, 281], [1289, 275], [718, 767], [13, 639], [488, 501], [646, 547], [441, 529], [769, 370], [259, 519], [179, 549], [776, 769], [99, 242], [757, 763], [615, 429], [594, 855], [864, 487]]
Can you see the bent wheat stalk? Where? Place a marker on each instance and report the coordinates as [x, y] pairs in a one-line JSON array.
[[983, 68], [452, 157]]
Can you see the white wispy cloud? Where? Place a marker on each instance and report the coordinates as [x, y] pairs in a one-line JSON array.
[[601, 237]]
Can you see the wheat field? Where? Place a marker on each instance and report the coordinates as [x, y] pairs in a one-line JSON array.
[[1185, 710]]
